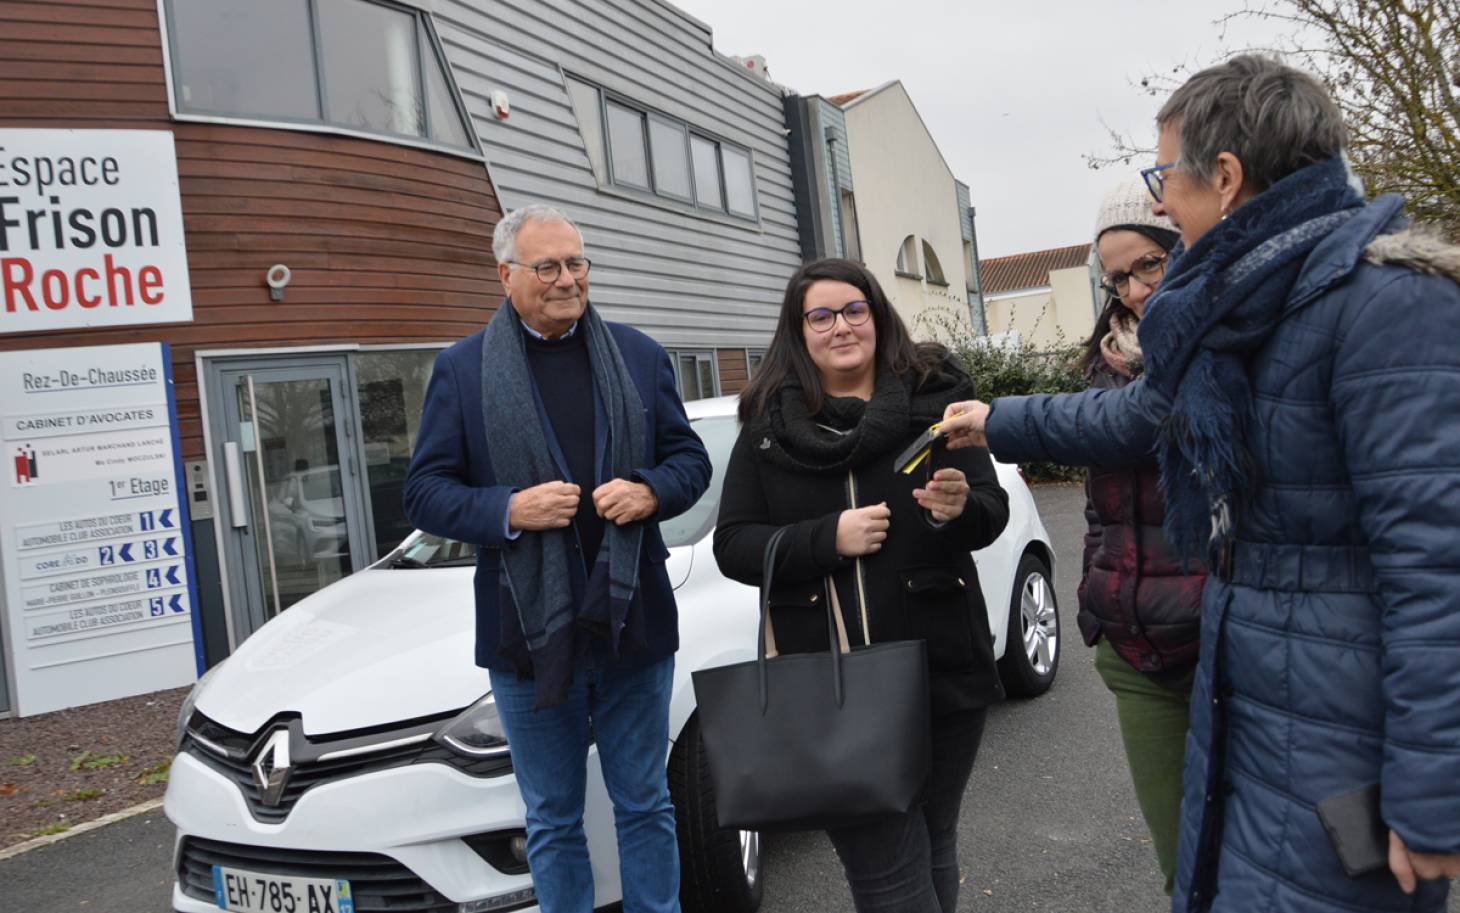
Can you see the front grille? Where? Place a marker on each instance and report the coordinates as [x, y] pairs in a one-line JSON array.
[[378, 883], [302, 777], [204, 737]]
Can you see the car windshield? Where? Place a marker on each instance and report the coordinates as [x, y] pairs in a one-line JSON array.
[[718, 433]]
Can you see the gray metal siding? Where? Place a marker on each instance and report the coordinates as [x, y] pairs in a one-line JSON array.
[[839, 170], [965, 214], [685, 279]]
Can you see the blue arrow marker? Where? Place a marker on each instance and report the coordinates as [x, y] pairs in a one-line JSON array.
[[176, 602], [169, 547], [125, 552], [164, 519], [172, 576]]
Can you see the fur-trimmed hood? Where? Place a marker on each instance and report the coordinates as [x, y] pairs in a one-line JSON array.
[[1421, 248]]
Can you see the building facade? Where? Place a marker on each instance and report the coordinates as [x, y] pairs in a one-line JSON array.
[[362, 151], [1049, 297]]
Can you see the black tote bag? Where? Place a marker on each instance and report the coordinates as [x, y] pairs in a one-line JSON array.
[[810, 741]]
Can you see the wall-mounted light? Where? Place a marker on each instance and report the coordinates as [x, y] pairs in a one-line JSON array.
[[277, 278]]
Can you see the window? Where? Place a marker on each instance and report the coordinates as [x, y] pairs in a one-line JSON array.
[[649, 151], [669, 143], [851, 233], [739, 181], [752, 362], [626, 146], [707, 172], [907, 258], [392, 392], [931, 267], [361, 64], [696, 375], [245, 58]]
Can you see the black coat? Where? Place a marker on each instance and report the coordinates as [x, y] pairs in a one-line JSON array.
[[922, 584]]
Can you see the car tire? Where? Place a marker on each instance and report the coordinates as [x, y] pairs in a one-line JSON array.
[[720, 868], [1032, 651]]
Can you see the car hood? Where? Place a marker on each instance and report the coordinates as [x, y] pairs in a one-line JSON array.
[[381, 646]]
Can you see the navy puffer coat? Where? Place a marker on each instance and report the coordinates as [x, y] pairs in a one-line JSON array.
[[1330, 648]]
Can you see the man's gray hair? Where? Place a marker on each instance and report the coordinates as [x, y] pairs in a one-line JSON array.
[[1273, 118], [504, 236]]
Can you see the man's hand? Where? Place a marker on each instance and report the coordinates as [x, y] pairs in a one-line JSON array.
[[945, 495], [623, 502], [1409, 867], [963, 424], [862, 531], [550, 505]]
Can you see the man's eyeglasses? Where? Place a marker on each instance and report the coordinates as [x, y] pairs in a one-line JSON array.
[[548, 271], [855, 313], [1149, 269], [1155, 180]]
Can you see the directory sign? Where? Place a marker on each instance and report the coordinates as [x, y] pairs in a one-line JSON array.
[[99, 594]]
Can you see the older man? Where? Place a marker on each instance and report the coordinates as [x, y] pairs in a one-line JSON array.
[[555, 441]]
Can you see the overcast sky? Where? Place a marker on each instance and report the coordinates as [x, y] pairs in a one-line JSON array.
[[1013, 92]]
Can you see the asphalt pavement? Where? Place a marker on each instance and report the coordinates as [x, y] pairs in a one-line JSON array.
[[1050, 821]]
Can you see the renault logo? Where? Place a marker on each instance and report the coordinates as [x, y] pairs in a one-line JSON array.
[[271, 768]]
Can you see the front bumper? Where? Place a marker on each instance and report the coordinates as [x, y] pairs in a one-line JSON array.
[[401, 824]]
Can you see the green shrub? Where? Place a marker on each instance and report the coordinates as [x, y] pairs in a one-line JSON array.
[[1011, 370]]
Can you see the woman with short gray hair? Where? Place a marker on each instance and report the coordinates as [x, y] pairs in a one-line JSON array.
[[1302, 396]]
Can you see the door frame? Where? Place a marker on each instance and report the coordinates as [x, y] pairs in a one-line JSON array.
[[245, 613], [209, 365]]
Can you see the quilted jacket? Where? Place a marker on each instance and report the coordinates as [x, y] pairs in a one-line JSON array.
[[1330, 641], [1135, 591]]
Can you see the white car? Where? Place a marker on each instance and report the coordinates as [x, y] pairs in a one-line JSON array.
[[348, 758]]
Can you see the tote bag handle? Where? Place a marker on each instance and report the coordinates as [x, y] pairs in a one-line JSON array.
[[835, 624]]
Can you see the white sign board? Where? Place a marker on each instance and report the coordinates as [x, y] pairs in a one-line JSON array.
[[94, 540], [91, 230]]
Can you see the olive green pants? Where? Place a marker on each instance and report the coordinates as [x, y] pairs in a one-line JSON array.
[[1153, 723]]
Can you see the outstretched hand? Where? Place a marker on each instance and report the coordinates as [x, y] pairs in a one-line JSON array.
[[963, 424]]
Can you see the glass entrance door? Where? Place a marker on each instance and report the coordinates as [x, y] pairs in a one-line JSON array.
[[295, 519]]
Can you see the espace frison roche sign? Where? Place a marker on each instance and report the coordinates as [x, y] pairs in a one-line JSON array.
[[91, 231]]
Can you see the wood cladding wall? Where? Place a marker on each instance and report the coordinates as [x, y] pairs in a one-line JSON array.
[[387, 243]]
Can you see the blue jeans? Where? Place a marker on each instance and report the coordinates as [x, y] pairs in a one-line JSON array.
[[629, 712]]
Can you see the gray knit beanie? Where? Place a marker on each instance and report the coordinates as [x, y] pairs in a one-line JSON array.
[[1128, 205]]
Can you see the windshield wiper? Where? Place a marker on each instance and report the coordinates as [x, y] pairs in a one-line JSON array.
[[406, 562]]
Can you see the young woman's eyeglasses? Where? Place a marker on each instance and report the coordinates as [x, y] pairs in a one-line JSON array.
[[855, 313], [1149, 269], [548, 271], [1155, 180]]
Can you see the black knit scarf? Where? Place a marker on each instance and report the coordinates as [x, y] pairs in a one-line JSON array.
[[787, 434]]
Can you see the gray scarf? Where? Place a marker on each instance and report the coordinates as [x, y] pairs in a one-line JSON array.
[[536, 566]]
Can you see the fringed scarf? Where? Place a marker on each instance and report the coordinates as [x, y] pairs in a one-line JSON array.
[[1217, 305]]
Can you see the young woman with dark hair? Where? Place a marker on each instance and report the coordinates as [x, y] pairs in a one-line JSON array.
[[842, 390]]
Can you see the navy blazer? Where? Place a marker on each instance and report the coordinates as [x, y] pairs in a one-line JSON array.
[[450, 490]]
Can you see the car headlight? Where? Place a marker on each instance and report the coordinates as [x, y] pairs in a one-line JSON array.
[[477, 731], [186, 711]]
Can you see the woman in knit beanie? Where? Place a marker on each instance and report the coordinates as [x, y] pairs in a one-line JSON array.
[[1139, 607]]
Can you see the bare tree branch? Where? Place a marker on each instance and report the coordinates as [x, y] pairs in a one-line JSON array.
[[1393, 67]]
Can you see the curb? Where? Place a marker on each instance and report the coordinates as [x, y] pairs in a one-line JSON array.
[[82, 828]]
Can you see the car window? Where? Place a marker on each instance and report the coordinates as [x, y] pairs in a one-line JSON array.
[[718, 433]]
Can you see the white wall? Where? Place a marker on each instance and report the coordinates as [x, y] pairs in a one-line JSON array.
[[903, 187]]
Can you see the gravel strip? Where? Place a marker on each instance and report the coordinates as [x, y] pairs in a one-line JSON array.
[[60, 769]]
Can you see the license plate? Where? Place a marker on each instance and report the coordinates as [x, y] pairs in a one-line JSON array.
[[259, 892]]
